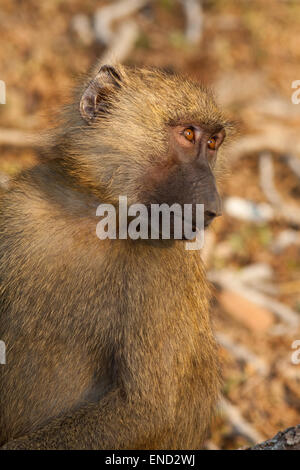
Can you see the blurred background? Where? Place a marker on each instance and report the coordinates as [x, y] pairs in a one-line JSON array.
[[248, 51]]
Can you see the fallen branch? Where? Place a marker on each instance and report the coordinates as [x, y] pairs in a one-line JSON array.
[[254, 317], [284, 440], [120, 41], [194, 20], [240, 425], [242, 353], [81, 25], [228, 280], [19, 138], [244, 209], [274, 137], [107, 15]]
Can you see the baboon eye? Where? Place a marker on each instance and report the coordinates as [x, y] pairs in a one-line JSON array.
[[211, 143], [189, 134]]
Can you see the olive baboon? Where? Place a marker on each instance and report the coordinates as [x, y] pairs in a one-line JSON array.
[[109, 342]]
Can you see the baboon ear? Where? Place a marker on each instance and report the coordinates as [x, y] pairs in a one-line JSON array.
[[95, 98]]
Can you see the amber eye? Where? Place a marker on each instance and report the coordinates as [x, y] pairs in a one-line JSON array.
[[211, 143], [189, 134]]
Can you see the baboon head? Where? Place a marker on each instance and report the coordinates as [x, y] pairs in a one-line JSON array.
[[149, 135]]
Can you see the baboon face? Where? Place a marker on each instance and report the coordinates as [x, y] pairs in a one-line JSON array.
[[187, 176], [152, 137]]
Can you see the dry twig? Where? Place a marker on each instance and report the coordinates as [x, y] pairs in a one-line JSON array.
[[241, 426], [121, 41], [228, 280], [242, 353], [19, 138], [194, 20], [286, 440]]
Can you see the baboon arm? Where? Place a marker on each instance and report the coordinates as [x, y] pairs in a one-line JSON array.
[[114, 423]]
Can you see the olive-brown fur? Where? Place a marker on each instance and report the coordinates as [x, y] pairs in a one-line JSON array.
[[109, 343]]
